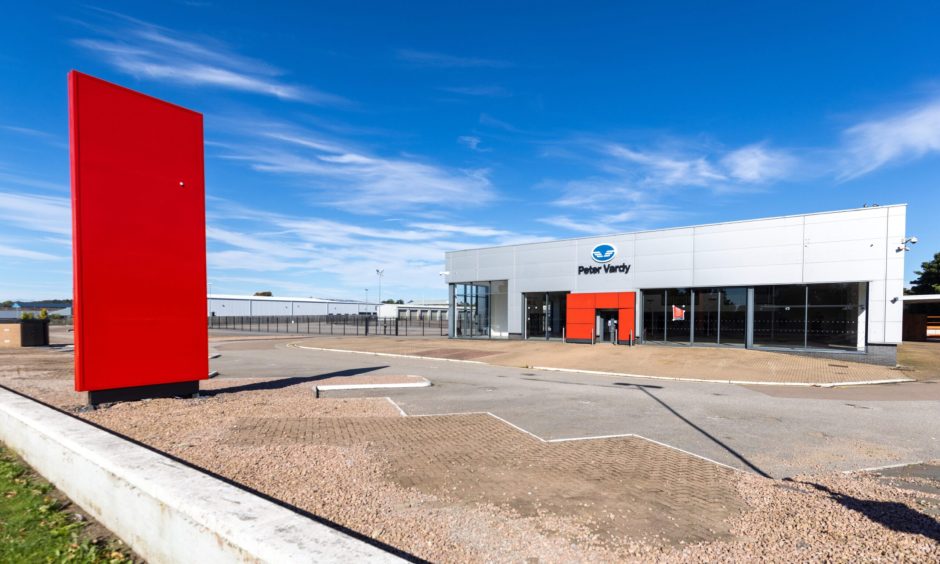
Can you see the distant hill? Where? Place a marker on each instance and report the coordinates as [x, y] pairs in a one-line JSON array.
[[38, 304]]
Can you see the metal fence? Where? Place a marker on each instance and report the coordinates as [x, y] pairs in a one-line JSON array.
[[331, 325]]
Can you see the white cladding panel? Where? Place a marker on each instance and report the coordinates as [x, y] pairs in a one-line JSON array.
[[764, 252], [845, 246], [495, 264]]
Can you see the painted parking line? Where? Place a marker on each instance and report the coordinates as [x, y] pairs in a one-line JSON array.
[[549, 441], [394, 355]]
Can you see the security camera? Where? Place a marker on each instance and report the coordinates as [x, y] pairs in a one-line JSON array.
[[911, 240]]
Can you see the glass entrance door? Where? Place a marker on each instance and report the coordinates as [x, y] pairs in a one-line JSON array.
[[654, 315], [720, 316], [536, 315]]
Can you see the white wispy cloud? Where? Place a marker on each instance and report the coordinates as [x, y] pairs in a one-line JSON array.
[[29, 132], [33, 212], [637, 217], [468, 230], [32, 182], [442, 60], [488, 120], [758, 164], [347, 176], [670, 169], [323, 250], [904, 136], [612, 204], [485, 91], [14, 252], [147, 51], [472, 142]]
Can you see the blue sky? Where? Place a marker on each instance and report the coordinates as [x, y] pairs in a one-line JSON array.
[[350, 136]]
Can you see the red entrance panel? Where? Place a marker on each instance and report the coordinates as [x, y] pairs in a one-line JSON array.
[[139, 238], [582, 311]]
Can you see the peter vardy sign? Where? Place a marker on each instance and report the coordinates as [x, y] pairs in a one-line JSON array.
[[604, 253]]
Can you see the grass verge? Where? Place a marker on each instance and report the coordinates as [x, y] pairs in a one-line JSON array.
[[38, 524]]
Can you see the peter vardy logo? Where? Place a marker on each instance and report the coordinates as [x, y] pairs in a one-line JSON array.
[[603, 253]]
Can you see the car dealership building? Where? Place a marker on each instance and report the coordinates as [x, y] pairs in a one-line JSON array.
[[826, 283]]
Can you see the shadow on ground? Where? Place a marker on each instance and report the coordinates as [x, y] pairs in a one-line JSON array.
[[894, 515], [279, 383]]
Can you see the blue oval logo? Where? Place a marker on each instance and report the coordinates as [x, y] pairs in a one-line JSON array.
[[603, 253]]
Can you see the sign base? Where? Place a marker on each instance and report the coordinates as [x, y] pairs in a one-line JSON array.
[[136, 393]]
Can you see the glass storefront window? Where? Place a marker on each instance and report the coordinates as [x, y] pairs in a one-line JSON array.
[[545, 314], [832, 317], [793, 316], [780, 316], [813, 316], [678, 315], [472, 310]]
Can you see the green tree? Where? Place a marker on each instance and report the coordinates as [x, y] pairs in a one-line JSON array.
[[928, 277], [266, 293], [7, 303]]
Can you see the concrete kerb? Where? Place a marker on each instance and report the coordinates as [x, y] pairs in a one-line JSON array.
[[738, 382], [885, 467], [166, 511], [424, 383]]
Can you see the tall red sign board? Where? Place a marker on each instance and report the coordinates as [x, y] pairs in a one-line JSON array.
[[139, 239]]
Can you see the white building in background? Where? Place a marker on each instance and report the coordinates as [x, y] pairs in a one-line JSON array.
[[821, 283], [235, 305], [424, 310]]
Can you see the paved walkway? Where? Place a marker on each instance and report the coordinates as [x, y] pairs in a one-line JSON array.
[[704, 363]]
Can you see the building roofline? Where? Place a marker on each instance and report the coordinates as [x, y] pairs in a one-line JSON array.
[[675, 228]]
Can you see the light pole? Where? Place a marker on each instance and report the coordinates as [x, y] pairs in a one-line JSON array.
[[381, 273], [367, 295]]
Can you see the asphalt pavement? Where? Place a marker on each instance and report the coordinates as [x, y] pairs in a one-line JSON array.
[[767, 430]]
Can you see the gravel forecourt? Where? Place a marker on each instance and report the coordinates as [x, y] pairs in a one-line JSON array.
[[428, 486]]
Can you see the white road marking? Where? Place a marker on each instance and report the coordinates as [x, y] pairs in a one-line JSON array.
[[533, 435]]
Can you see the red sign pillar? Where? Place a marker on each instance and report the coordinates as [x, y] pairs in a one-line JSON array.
[[139, 243]]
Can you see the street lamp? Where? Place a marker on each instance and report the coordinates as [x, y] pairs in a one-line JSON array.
[[381, 273]]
